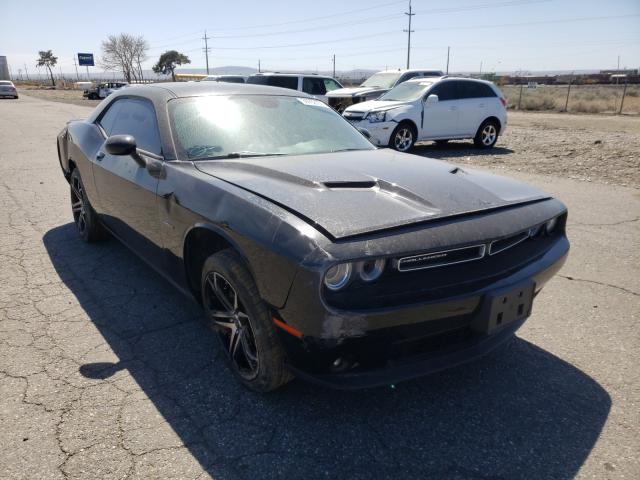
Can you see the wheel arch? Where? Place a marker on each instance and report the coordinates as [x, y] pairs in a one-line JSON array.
[[412, 124], [200, 242], [495, 119]]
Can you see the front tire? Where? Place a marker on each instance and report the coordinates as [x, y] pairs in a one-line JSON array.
[[243, 322], [84, 216], [487, 134], [403, 137]]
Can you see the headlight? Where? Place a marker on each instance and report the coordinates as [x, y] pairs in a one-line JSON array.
[[338, 276], [375, 117], [371, 270], [551, 225]]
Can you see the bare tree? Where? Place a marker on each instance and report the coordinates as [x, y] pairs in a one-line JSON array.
[[126, 53], [48, 60]]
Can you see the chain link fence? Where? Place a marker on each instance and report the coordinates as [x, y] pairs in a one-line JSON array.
[[612, 99]]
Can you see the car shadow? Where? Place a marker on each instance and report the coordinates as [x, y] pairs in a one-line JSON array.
[[518, 412], [455, 149]]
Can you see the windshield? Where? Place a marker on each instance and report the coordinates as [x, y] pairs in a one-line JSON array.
[[257, 125], [406, 92], [382, 80]]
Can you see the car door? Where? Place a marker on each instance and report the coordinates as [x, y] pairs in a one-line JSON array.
[[440, 119], [127, 191], [473, 106]]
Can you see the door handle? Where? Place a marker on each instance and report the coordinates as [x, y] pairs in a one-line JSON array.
[[100, 156]]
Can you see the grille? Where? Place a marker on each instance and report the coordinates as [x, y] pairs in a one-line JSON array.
[[353, 115], [441, 258], [501, 245]]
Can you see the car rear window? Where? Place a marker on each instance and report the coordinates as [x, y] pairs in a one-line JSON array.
[[275, 81], [475, 90]]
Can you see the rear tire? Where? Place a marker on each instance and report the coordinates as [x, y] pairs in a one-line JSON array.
[[403, 137], [243, 322], [84, 216], [487, 134]]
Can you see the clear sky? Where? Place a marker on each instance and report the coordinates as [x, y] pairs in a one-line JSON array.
[[505, 35]]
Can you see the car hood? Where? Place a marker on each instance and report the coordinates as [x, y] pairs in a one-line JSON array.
[[356, 92], [374, 105], [352, 193]]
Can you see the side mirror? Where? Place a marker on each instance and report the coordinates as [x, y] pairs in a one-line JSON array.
[[366, 133], [432, 98], [124, 145]]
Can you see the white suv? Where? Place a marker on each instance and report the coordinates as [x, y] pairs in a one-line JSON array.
[[438, 109], [313, 84]]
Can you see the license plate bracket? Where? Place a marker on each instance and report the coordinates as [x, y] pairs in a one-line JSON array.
[[505, 307]]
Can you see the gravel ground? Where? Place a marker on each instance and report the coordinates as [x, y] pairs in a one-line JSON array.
[[105, 371], [594, 148]]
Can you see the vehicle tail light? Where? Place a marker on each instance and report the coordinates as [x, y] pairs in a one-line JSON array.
[[503, 101]]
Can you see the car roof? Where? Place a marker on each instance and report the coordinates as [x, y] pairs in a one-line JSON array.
[[411, 70], [446, 77], [268, 74], [199, 89]]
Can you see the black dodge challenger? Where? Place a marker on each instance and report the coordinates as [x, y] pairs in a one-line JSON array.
[[313, 253]]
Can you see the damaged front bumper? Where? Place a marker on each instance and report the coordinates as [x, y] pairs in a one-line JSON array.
[[359, 349]]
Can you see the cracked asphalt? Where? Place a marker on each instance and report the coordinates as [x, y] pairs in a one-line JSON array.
[[105, 371]]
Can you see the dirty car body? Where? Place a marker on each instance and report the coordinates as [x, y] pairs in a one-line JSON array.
[[441, 263]]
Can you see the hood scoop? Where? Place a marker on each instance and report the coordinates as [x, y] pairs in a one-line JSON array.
[[351, 185]]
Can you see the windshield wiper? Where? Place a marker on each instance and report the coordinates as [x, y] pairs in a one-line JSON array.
[[243, 154]]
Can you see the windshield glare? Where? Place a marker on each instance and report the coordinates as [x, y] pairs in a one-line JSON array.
[[254, 125], [406, 92], [382, 80]]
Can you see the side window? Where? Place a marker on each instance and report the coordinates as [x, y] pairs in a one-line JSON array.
[[313, 86], [330, 84], [284, 82], [486, 90], [408, 76], [138, 118], [445, 91], [107, 119]]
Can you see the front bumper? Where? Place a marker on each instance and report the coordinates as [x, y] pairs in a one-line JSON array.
[[390, 345], [380, 131]]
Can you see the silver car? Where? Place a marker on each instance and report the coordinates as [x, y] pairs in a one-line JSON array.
[[8, 89]]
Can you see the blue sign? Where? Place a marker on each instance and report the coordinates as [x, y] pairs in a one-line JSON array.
[[85, 59]]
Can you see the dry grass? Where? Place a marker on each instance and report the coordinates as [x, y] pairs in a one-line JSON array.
[[582, 98]]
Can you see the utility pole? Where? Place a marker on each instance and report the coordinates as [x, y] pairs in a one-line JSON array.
[[259, 66], [448, 50], [334, 65], [26, 71], [409, 14], [480, 74], [618, 62], [206, 49], [75, 64]]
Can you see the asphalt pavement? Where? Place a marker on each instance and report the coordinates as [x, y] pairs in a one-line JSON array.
[[106, 372]]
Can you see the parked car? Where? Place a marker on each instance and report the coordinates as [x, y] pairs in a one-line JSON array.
[[315, 85], [312, 252], [103, 90], [438, 109], [8, 89], [225, 78], [374, 86]]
